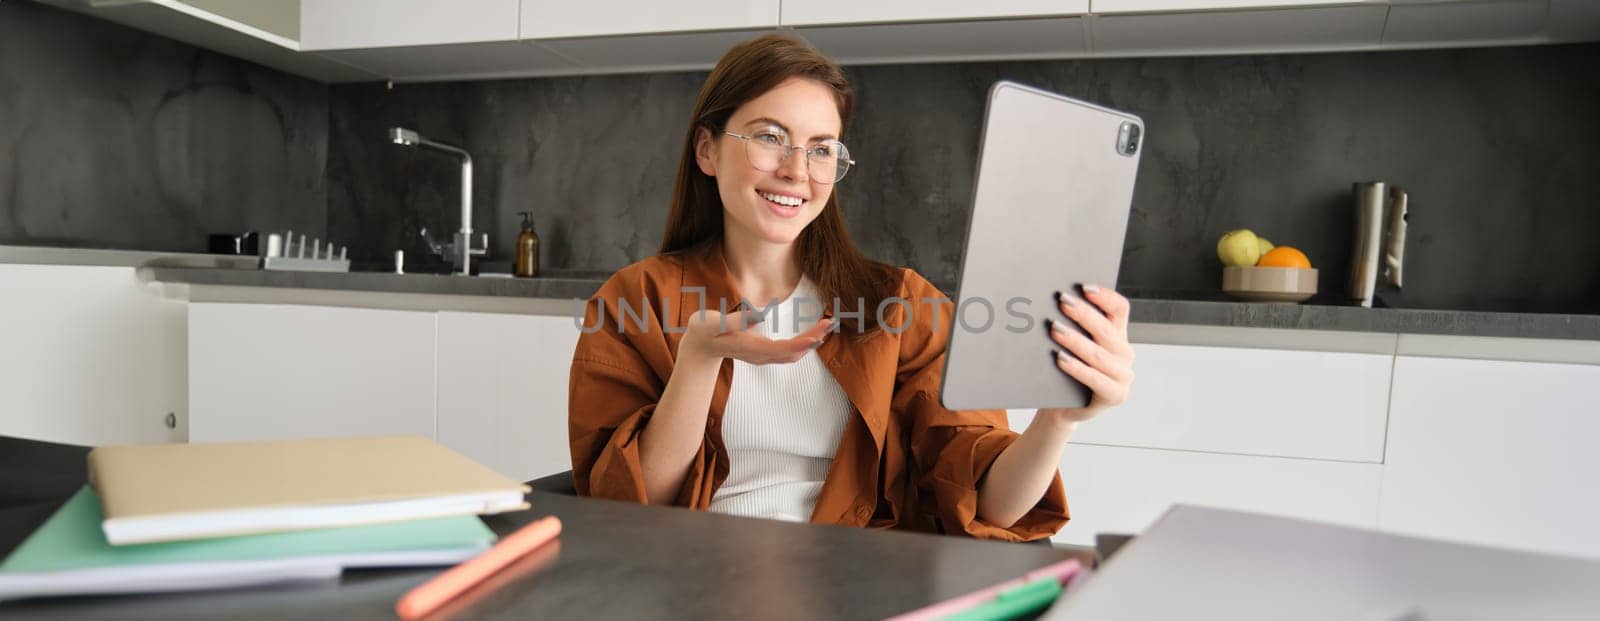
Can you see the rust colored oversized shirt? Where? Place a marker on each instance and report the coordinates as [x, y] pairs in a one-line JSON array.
[[904, 460]]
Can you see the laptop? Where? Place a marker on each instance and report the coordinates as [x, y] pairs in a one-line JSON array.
[[1206, 563], [1050, 210]]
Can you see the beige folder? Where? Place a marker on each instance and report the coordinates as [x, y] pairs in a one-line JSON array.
[[190, 491]]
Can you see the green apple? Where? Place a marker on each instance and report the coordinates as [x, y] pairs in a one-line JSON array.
[[1265, 245], [1239, 248]]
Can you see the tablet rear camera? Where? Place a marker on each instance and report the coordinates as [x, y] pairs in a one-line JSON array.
[[1128, 138]]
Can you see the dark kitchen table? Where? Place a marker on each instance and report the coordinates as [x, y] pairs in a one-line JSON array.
[[615, 561]]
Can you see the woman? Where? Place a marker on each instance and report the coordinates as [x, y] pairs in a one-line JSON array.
[[685, 392]]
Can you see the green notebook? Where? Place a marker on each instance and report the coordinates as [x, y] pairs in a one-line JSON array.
[[69, 554]]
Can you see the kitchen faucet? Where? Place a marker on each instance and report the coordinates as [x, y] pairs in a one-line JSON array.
[[460, 249]]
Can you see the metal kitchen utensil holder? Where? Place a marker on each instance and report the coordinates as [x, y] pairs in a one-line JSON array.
[[290, 256], [1380, 241]]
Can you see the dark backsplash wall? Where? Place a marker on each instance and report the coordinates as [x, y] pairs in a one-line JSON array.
[[1498, 149], [115, 138], [591, 157], [111, 137]]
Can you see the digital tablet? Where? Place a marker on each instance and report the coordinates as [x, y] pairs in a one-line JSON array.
[[1049, 212]]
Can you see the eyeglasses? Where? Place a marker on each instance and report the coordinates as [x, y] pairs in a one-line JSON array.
[[827, 161]]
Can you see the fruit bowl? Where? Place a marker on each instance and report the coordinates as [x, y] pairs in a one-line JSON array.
[[1270, 284]]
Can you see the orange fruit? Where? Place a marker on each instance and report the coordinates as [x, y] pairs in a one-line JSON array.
[[1284, 256]]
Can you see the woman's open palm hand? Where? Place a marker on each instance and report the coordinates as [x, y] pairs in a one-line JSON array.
[[732, 335]]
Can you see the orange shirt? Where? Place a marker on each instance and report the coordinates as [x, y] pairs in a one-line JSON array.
[[904, 460]]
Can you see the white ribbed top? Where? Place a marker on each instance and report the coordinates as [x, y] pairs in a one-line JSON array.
[[782, 425]]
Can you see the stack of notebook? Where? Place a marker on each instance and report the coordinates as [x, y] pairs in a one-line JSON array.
[[195, 516]]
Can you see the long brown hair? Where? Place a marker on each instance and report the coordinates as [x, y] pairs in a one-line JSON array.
[[825, 251]]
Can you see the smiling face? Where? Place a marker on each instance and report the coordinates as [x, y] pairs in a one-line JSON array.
[[772, 206]]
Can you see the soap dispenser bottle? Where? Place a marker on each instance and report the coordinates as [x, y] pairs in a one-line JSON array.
[[527, 248]]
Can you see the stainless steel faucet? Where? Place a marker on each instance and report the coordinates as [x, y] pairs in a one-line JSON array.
[[460, 249]]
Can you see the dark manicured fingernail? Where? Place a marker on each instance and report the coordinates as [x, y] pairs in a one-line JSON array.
[[1058, 327], [1066, 299], [1061, 356]]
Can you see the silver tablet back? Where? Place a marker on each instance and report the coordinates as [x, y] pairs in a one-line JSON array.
[[1050, 210]]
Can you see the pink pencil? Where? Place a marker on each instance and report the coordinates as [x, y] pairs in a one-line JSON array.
[[1062, 571], [442, 588]]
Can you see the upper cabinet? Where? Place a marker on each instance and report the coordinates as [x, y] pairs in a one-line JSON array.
[[261, 31], [605, 36], [1504, 22], [1183, 27], [836, 12], [347, 24], [420, 40], [272, 18], [1177, 6], [902, 31], [561, 19], [1573, 20]]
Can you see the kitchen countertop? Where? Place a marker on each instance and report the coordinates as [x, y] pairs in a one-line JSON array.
[[576, 285], [556, 284], [48, 255], [219, 272], [1357, 319]]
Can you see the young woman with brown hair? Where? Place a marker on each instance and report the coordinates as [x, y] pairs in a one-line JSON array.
[[685, 393]]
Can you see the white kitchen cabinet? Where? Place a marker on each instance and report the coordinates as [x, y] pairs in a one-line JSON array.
[[1494, 452], [672, 51], [640, 35], [1124, 490], [266, 371], [1106, 7], [347, 24], [1125, 31], [225, 30], [1499, 22], [276, 18], [838, 12], [477, 61], [559, 19], [1286, 432], [503, 390], [904, 31], [89, 355], [426, 40], [1301, 404], [951, 41], [1572, 20]]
